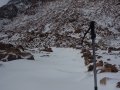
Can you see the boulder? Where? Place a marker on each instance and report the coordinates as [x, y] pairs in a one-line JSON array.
[[113, 68]]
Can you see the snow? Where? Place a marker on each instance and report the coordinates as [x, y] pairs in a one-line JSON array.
[[47, 29], [3, 2], [62, 69]]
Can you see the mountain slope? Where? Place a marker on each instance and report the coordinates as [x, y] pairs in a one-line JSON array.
[[55, 23]]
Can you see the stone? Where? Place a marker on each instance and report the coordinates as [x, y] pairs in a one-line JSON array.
[[8, 11]]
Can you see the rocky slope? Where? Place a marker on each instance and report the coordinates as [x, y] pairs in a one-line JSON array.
[[62, 23]]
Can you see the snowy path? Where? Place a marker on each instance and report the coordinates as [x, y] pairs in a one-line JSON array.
[[62, 70]]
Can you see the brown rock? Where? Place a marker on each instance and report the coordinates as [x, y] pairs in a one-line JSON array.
[[91, 60], [77, 31], [24, 54], [12, 50], [100, 63], [103, 81], [83, 50], [5, 46], [105, 70], [118, 85], [113, 68]]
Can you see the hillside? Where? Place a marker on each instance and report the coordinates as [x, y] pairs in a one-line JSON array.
[[40, 45], [62, 23]]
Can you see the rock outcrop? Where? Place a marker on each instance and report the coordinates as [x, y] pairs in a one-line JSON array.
[[8, 11], [9, 53]]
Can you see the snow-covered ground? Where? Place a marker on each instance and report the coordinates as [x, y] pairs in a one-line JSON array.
[[62, 69]]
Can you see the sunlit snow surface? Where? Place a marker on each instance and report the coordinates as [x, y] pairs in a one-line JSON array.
[[62, 69]]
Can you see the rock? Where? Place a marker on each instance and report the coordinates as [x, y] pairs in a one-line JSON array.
[[9, 57], [20, 47], [83, 50], [12, 54], [109, 50], [91, 60], [77, 31], [26, 55], [108, 59], [90, 68], [103, 81], [72, 20], [99, 57], [5, 46], [113, 68], [87, 54], [12, 57], [31, 58], [8, 11], [100, 63], [118, 85], [2, 56], [9, 50], [48, 50], [118, 48], [105, 70]]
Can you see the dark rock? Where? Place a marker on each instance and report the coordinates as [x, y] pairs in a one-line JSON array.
[[12, 57], [77, 31], [31, 58], [48, 50], [2, 56], [5, 46], [8, 11], [83, 50], [20, 47], [90, 68], [9, 57], [118, 85]]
